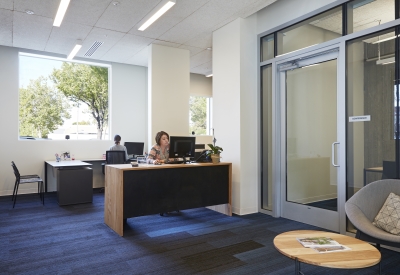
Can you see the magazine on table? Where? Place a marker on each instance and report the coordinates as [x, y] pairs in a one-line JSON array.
[[322, 244]]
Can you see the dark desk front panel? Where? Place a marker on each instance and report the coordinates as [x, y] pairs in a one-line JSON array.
[[154, 191]]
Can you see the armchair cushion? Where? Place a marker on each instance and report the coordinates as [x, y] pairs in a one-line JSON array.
[[388, 217]]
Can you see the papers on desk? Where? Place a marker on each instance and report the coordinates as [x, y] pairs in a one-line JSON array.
[[322, 244]]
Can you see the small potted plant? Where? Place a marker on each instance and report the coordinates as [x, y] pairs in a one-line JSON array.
[[215, 152]]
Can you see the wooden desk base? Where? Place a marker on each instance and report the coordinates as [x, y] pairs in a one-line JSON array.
[[153, 189]]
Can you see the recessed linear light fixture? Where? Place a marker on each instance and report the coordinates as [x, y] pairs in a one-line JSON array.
[[62, 8], [156, 13], [385, 61], [385, 39], [76, 49]]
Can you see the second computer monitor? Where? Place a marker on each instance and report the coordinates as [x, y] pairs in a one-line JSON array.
[[134, 148], [181, 147]]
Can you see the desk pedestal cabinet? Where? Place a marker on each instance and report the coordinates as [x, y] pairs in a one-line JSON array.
[[153, 189], [74, 185]]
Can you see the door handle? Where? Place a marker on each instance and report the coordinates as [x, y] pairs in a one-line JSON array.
[[333, 154]]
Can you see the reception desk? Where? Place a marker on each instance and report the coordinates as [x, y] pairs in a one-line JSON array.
[[152, 189]]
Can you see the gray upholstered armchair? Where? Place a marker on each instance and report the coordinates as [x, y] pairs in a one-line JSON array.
[[362, 208]]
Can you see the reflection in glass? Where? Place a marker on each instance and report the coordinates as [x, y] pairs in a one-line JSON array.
[[364, 14], [323, 27], [266, 107], [267, 47], [370, 91], [311, 130]]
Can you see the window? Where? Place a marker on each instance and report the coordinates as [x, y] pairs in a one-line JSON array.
[[200, 115], [315, 30], [59, 98]]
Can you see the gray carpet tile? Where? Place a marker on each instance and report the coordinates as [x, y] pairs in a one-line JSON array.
[[49, 239]]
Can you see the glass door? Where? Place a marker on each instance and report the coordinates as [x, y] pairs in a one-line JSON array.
[[309, 90]]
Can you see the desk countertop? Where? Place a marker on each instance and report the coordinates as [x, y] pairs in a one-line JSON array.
[[68, 163], [143, 166]]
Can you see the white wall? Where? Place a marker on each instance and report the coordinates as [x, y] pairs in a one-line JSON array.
[[235, 108], [200, 85], [128, 92], [168, 91]]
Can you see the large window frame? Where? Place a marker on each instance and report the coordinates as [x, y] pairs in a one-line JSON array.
[[81, 131]]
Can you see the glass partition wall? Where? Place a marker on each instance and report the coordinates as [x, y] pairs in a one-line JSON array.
[[372, 93], [367, 35]]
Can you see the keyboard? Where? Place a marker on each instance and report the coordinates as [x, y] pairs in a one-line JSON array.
[[175, 162]]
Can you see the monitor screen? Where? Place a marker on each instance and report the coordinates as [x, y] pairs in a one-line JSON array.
[[134, 148], [180, 147]]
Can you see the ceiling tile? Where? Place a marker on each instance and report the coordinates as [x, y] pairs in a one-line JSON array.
[[31, 31], [63, 39], [109, 39], [6, 26], [203, 40], [86, 12], [200, 58], [166, 43], [47, 8], [141, 58], [126, 15], [127, 47], [193, 50], [181, 10], [6, 4], [205, 68]]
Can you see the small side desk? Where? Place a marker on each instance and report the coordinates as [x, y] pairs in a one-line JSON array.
[[372, 169], [74, 181], [152, 189]]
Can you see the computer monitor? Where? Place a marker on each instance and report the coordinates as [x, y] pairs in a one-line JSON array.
[[182, 147], [134, 148]]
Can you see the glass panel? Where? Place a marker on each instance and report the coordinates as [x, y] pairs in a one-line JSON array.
[[311, 130], [267, 47], [323, 27], [199, 115], [266, 107], [56, 99], [364, 14], [370, 91]]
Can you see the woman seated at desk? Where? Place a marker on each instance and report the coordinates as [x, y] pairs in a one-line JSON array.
[[118, 147], [159, 153]]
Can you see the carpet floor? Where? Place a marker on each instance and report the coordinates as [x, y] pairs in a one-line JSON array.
[[49, 239]]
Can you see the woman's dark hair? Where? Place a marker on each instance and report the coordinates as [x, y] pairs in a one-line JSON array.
[[159, 136], [117, 139]]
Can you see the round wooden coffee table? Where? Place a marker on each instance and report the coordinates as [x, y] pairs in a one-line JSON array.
[[361, 255]]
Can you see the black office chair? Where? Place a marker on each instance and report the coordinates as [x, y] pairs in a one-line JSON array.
[[26, 179], [389, 170], [113, 157]]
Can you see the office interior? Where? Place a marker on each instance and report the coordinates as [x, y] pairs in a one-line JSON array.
[[250, 118]]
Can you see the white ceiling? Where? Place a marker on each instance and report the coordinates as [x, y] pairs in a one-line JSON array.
[[187, 25]]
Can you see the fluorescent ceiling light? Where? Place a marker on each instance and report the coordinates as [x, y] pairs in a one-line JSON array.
[[385, 61], [61, 12], [209, 75], [386, 39], [310, 65], [75, 50], [156, 13]]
